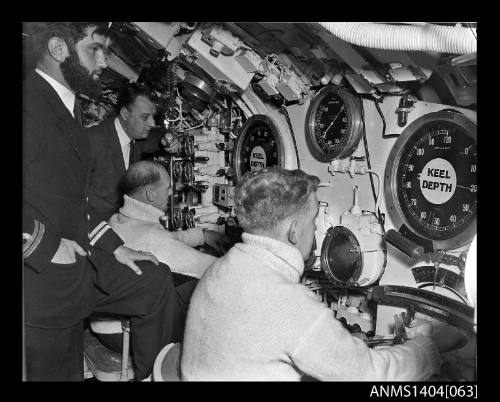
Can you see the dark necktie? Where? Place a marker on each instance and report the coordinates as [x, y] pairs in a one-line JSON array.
[[77, 112], [131, 158]]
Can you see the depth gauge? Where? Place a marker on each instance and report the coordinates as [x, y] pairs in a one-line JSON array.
[[431, 179]]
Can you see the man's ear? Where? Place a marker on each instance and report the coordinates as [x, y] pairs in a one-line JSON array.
[[150, 193], [293, 232], [124, 113], [58, 49]]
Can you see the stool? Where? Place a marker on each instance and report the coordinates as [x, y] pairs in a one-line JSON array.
[[103, 363], [167, 365]]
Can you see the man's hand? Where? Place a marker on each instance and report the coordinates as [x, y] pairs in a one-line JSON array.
[[170, 143], [448, 338], [419, 327], [65, 253], [214, 239], [127, 256]]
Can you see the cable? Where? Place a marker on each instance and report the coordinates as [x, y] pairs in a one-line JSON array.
[[379, 187], [384, 135], [285, 112], [365, 142], [192, 128]]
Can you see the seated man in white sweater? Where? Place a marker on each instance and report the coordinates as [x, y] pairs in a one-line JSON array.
[[250, 318], [146, 188]]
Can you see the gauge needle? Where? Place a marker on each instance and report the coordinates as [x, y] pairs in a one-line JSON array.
[[335, 118]]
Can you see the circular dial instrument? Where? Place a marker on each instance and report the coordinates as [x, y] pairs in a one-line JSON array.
[[333, 124], [350, 257], [431, 179], [341, 257], [258, 146]]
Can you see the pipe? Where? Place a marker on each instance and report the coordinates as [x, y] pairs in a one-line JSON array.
[[430, 37], [115, 63]]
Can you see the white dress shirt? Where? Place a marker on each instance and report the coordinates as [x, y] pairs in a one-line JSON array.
[[67, 97], [125, 141]]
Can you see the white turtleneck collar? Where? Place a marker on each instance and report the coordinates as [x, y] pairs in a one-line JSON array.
[[136, 209], [280, 256]]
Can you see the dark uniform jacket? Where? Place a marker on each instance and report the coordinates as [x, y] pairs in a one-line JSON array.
[[56, 155], [107, 166]]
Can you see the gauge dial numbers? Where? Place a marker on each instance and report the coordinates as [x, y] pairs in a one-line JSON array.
[[333, 124], [431, 179], [258, 146]]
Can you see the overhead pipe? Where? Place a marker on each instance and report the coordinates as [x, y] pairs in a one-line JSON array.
[[115, 63], [429, 37]]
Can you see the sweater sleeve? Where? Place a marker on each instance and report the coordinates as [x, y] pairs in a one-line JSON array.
[[192, 237], [327, 351], [180, 257]]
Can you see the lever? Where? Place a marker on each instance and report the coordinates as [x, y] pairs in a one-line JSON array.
[[403, 244]]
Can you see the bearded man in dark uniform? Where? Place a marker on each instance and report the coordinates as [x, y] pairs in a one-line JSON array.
[[74, 263]]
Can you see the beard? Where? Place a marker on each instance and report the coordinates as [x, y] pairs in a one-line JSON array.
[[78, 77]]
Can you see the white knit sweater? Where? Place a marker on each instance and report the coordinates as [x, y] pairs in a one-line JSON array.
[[139, 227], [250, 318]]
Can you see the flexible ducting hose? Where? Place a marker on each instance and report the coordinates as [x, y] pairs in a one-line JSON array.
[[429, 37]]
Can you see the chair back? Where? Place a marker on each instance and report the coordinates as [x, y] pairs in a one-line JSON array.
[[167, 366]]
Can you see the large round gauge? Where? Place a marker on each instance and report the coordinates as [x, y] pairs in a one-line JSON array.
[[431, 179], [258, 146], [333, 124]]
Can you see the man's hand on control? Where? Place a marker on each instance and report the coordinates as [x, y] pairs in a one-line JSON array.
[[65, 253], [419, 327], [127, 256], [448, 338]]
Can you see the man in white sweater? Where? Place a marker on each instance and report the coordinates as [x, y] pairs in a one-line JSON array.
[[146, 187], [251, 319]]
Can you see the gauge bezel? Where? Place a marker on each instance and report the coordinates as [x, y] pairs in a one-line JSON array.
[[351, 138], [391, 188], [331, 233], [237, 159]]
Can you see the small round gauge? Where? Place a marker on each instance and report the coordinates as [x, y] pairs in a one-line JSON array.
[[431, 179], [333, 124], [258, 146], [350, 258], [341, 258]]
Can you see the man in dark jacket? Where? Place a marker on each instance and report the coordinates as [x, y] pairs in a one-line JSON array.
[[74, 263], [119, 141]]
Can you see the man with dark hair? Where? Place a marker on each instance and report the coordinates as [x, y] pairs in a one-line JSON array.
[[147, 188], [74, 263], [118, 142], [251, 319]]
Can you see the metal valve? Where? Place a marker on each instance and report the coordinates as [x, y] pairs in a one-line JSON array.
[[177, 219], [188, 146], [187, 172], [177, 170], [188, 217], [405, 106]]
